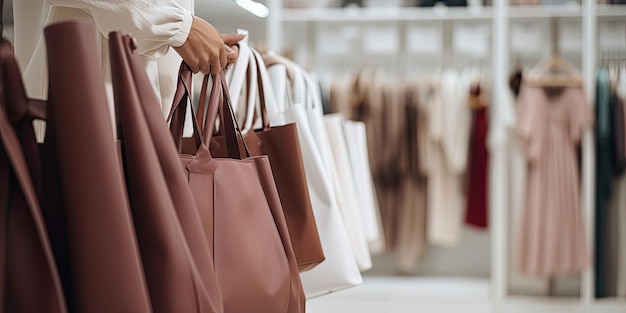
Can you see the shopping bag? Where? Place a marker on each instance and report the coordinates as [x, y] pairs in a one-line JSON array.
[[177, 258], [282, 146], [105, 266], [339, 270], [29, 279], [239, 205], [356, 144], [346, 191]]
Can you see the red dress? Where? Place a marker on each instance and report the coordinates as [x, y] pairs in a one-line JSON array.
[[477, 208]]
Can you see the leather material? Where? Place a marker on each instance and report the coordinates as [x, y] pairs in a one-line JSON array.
[[254, 260], [282, 145], [356, 144], [29, 279], [339, 270], [176, 257], [346, 191], [106, 270]]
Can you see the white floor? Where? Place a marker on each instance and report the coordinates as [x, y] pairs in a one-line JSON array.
[[408, 294], [394, 294]]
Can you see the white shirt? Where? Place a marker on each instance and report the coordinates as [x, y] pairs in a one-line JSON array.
[[156, 24]]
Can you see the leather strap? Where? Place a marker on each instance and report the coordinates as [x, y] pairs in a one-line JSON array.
[[179, 108], [21, 112], [261, 88], [202, 102], [220, 99], [205, 116]]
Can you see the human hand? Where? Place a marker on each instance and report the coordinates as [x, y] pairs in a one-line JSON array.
[[205, 50], [232, 48]]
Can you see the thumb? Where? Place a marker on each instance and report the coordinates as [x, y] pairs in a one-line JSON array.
[[232, 38]]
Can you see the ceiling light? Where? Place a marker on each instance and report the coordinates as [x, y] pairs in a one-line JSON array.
[[256, 8]]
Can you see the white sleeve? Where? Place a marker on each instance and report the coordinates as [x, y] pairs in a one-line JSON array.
[[156, 24]]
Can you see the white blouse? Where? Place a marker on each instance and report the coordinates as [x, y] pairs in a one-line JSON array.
[[156, 24]]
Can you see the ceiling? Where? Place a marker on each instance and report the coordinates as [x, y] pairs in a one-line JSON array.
[[217, 10], [227, 17], [223, 10]]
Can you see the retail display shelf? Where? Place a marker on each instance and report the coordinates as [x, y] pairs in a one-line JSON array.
[[385, 14], [545, 11], [611, 11], [523, 304]]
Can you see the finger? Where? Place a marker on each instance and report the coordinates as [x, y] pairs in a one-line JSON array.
[[231, 58], [216, 67], [195, 67], [232, 38], [223, 58], [205, 68]]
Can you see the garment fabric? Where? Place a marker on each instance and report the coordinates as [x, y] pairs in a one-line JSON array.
[[550, 125], [618, 138], [395, 114], [612, 221], [604, 176], [477, 202], [611, 262], [450, 121], [411, 215], [156, 24], [388, 174], [621, 207]]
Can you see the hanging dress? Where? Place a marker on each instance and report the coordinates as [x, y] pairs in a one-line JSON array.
[[604, 177], [477, 208], [552, 232], [449, 129]]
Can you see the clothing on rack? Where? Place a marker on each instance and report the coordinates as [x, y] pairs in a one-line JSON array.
[[610, 268], [477, 213], [620, 90], [418, 135], [450, 122], [604, 174], [550, 125]]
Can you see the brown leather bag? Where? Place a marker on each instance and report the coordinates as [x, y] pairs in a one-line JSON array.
[[29, 279], [240, 208], [282, 146], [176, 256], [104, 263]]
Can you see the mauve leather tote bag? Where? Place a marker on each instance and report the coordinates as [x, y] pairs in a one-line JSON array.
[[176, 256], [240, 208]]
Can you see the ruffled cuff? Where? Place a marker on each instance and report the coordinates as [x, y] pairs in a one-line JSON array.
[[181, 35]]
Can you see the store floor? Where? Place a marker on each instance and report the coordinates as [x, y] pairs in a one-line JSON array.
[[392, 294], [396, 294]]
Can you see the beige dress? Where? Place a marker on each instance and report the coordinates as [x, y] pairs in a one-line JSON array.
[[553, 236], [449, 129], [411, 216]]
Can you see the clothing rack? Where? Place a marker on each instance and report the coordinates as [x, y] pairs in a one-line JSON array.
[[501, 16], [554, 35], [613, 55]]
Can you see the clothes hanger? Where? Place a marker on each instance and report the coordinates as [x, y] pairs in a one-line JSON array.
[[555, 71], [477, 95]]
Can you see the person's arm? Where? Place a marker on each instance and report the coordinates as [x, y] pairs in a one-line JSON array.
[[205, 50], [157, 25]]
